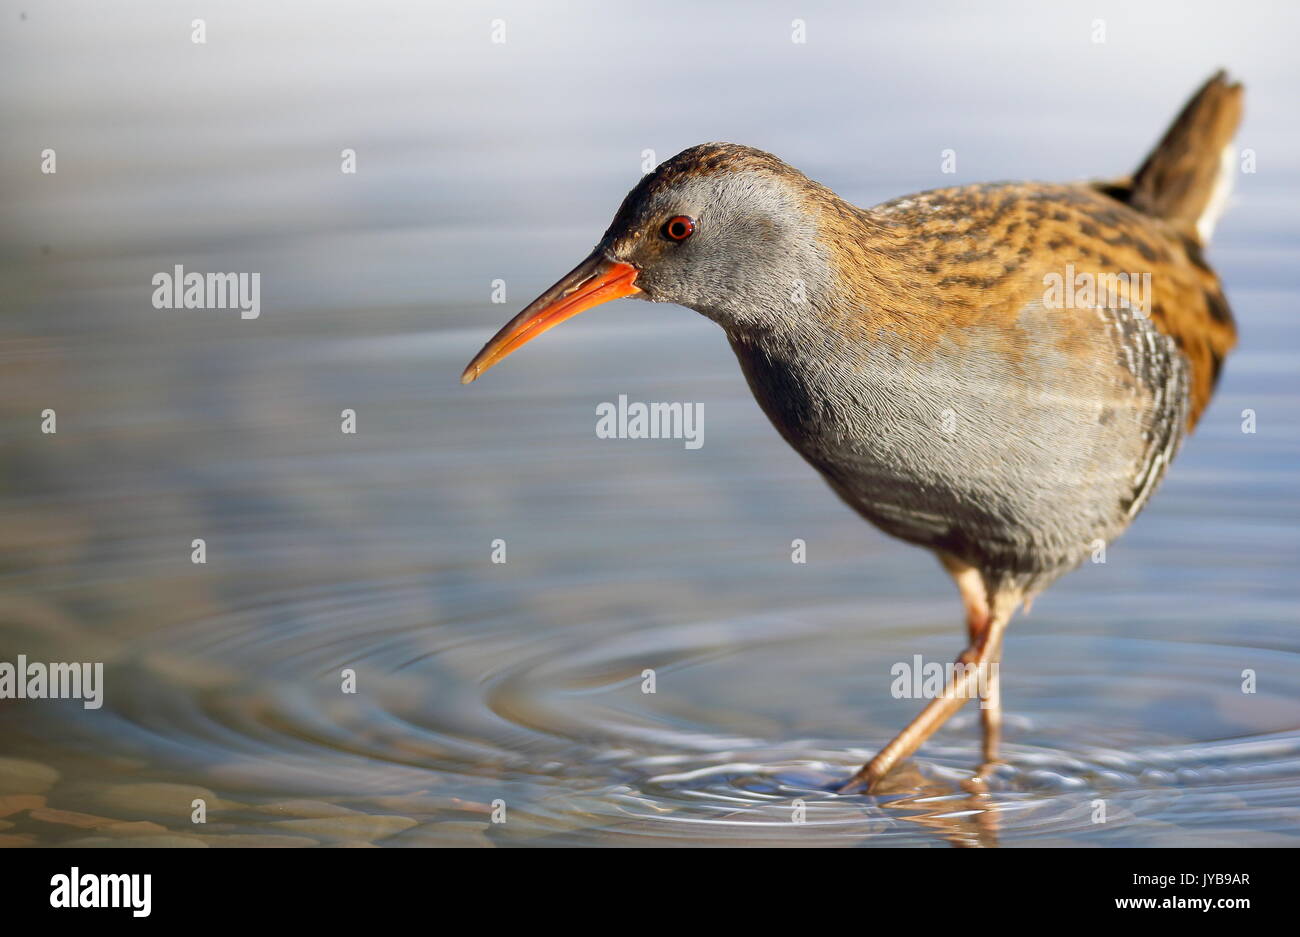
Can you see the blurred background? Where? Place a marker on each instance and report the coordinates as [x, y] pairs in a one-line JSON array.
[[517, 688]]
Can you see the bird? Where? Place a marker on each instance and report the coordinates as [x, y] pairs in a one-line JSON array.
[[999, 373]]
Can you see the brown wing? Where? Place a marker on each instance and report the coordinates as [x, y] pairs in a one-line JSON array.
[[985, 252]]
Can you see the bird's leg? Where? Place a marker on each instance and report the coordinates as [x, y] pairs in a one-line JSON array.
[[974, 597], [985, 622], [955, 695], [991, 706]]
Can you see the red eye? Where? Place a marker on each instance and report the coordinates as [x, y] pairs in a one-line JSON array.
[[679, 228]]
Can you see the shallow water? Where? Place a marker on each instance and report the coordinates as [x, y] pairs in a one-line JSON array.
[[521, 684]]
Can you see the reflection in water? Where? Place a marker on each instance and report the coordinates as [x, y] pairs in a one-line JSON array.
[[484, 687]]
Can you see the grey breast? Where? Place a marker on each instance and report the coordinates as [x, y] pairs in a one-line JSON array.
[[1006, 450]]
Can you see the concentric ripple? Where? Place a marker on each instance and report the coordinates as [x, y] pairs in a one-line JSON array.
[[748, 726]]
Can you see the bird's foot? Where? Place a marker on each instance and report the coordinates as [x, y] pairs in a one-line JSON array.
[[979, 782], [976, 784], [864, 782]]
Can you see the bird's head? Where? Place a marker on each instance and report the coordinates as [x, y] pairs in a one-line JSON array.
[[727, 230]]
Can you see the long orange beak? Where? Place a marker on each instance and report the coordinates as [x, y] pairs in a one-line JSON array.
[[594, 281]]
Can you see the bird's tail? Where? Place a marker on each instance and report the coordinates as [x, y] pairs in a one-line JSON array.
[[1188, 176]]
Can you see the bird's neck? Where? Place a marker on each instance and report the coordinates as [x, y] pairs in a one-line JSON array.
[[852, 277]]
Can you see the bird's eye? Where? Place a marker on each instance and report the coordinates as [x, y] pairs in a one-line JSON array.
[[679, 228]]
